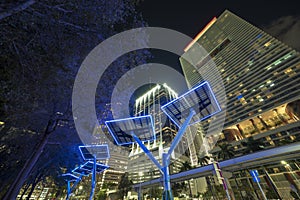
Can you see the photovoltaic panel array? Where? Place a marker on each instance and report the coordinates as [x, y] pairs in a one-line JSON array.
[[201, 99], [141, 126], [70, 177], [87, 168], [99, 151]]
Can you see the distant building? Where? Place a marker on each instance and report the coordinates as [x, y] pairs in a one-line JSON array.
[[139, 166]]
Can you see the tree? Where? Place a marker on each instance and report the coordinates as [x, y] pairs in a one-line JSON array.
[[42, 46], [178, 188], [187, 166], [101, 195], [252, 145], [226, 151], [203, 160], [125, 185]]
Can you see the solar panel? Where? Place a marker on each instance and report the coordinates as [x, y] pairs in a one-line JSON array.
[[141, 126], [201, 99], [87, 168], [99, 151], [70, 177]]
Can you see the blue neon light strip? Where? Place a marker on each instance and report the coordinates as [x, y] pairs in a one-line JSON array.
[[100, 151], [87, 168], [201, 99], [142, 127], [70, 177]]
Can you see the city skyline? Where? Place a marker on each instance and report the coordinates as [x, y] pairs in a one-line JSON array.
[[254, 48]]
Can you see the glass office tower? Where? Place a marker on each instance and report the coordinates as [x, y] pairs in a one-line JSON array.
[[261, 77], [260, 73]]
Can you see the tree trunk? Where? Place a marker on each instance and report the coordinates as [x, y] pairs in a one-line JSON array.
[[14, 189], [25, 190], [33, 185]]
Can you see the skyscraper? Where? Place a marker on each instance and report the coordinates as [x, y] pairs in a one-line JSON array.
[[139, 166], [261, 77], [259, 72]]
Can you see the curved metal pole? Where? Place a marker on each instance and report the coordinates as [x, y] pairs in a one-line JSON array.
[[164, 169], [68, 190]]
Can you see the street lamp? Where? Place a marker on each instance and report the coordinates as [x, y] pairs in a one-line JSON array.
[[194, 106]]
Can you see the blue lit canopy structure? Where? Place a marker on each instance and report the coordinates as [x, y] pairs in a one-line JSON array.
[[90, 151], [87, 168], [70, 177], [200, 99], [121, 129], [194, 106]]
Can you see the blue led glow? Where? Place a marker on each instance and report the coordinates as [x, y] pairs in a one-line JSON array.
[[100, 151], [70, 177], [87, 168], [127, 121], [182, 100]]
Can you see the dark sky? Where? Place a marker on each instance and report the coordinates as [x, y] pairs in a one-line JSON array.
[[281, 19], [190, 16]]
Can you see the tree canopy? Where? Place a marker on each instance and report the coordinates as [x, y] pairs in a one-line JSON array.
[[43, 44]]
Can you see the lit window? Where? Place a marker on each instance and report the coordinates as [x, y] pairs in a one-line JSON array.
[[267, 44], [288, 70]]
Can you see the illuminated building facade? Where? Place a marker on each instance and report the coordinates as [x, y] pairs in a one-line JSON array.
[[139, 166], [261, 77]]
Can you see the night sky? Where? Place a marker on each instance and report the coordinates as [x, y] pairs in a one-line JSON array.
[[281, 19], [190, 16]]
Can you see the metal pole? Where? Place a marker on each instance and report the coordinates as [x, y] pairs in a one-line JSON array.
[[69, 190], [164, 169], [274, 187], [265, 198], [167, 195], [76, 183], [220, 174], [146, 151], [93, 179]]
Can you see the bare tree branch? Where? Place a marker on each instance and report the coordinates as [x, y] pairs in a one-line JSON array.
[[16, 9]]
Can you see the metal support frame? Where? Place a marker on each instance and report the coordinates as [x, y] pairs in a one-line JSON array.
[[220, 176], [164, 168], [70, 189]]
